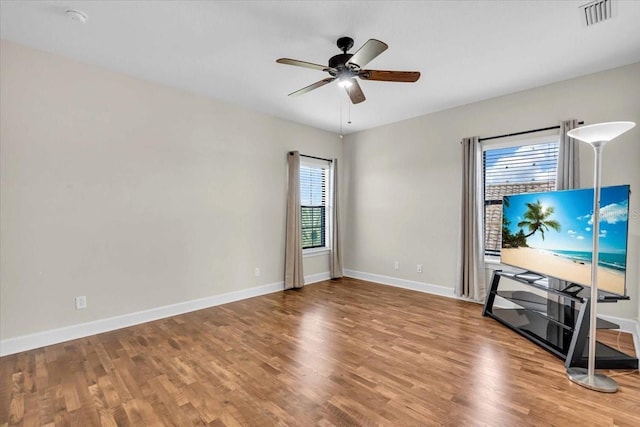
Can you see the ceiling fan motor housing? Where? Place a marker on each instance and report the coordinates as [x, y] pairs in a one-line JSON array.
[[338, 62], [344, 44]]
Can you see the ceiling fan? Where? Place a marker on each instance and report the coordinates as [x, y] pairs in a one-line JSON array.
[[346, 66]]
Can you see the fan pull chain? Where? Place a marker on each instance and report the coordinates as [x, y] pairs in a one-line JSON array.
[[340, 101]]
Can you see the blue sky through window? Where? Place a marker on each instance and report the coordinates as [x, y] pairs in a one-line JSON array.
[[311, 186], [528, 163]]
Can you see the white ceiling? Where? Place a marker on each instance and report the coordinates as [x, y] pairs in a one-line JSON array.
[[466, 50]]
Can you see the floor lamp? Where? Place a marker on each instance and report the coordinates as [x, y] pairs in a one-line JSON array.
[[597, 136]]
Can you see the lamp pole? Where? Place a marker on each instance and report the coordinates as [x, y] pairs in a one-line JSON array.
[[597, 136], [597, 148]]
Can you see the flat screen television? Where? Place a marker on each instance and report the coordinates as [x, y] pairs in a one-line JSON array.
[[551, 234]]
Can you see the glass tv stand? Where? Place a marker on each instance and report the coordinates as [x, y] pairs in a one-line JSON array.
[[554, 316]]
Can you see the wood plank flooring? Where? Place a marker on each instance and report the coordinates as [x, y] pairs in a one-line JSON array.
[[339, 353]]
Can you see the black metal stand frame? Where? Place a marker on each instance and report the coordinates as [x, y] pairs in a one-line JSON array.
[[561, 328]]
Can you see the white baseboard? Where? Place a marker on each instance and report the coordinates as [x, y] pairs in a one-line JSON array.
[[626, 325], [315, 278], [631, 326], [58, 335], [402, 283]]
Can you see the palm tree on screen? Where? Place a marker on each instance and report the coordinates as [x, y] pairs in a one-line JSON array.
[[536, 219]]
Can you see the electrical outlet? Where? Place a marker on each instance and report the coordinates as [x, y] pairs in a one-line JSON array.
[[81, 302], [419, 268], [256, 272], [396, 265]]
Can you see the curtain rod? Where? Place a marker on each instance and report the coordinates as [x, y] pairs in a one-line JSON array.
[[314, 157], [522, 133]]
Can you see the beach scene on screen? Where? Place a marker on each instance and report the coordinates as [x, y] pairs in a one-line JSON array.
[[551, 233]]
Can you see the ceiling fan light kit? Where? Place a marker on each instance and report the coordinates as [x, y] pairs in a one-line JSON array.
[[345, 83], [345, 67]]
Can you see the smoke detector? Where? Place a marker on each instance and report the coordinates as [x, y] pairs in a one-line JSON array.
[[596, 11], [76, 15]]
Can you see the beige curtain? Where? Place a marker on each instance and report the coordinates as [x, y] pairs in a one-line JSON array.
[[568, 171], [471, 273], [293, 275], [335, 259]]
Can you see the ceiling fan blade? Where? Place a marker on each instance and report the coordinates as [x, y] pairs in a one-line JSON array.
[[390, 76], [367, 52], [311, 87], [355, 92], [289, 61]]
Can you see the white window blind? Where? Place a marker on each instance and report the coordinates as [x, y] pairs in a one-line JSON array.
[[313, 203]]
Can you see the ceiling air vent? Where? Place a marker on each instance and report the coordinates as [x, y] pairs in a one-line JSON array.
[[596, 11]]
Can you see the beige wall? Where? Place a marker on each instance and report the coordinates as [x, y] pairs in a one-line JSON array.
[[141, 196], [403, 182], [132, 193]]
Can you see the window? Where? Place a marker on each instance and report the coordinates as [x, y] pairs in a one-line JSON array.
[[520, 167], [314, 192]]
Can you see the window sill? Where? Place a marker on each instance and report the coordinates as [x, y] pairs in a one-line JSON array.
[[315, 252], [493, 263]]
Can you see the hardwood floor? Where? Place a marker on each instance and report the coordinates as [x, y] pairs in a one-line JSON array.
[[343, 352]]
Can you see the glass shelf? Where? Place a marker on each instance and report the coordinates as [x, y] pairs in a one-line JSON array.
[[557, 319], [544, 331]]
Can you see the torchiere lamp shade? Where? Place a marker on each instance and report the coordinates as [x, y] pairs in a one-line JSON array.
[[601, 132]]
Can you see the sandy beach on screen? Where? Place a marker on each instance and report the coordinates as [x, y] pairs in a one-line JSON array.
[[562, 268]]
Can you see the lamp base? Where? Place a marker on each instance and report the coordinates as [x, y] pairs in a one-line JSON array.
[[598, 382]]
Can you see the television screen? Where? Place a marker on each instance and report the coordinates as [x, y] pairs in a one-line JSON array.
[[551, 233]]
